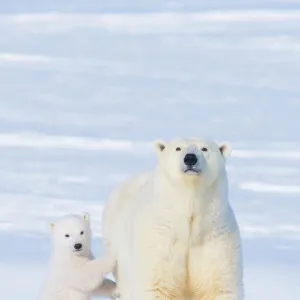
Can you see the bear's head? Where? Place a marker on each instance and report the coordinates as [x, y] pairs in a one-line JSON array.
[[192, 160], [71, 235]]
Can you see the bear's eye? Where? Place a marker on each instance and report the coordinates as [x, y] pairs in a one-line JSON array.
[[178, 149], [204, 149], [67, 235], [81, 232]]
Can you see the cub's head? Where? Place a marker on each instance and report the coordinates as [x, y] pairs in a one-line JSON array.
[[72, 234], [192, 160]]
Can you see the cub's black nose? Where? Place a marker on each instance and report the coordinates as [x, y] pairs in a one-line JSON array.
[[190, 159], [78, 246]]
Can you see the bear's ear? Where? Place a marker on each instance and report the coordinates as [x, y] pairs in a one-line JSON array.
[[51, 226], [225, 149], [86, 216], [160, 146]]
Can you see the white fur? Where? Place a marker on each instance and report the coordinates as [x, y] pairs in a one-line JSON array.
[[176, 234], [75, 275]]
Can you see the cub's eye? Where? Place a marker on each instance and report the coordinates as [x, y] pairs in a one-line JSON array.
[[67, 235], [178, 149], [204, 149], [81, 232]]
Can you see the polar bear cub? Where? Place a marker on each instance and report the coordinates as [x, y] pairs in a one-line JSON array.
[[73, 273], [174, 229]]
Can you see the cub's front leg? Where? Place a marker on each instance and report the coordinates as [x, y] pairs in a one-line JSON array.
[[90, 276], [108, 288]]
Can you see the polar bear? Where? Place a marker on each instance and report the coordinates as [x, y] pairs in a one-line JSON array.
[[73, 273], [174, 230]]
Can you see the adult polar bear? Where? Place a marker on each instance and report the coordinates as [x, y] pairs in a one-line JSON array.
[[174, 229]]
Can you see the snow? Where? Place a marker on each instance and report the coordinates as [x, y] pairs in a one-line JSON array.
[[87, 86]]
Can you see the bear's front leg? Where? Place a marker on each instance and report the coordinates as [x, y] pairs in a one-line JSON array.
[[229, 296], [158, 256], [215, 269], [155, 295], [219, 296], [160, 269]]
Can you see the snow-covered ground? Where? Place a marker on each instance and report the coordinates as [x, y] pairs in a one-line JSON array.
[[87, 86]]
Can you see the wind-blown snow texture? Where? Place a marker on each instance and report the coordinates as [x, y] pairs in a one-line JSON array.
[[86, 87]]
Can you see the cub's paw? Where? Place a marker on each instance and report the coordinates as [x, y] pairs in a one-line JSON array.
[[115, 294]]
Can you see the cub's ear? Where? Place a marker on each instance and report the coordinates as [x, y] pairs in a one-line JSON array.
[[225, 149], [51, 226], [86, 216], [160, 146]]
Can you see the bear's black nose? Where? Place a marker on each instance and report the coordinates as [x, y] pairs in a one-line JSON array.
[[190, 159], [78, 246]]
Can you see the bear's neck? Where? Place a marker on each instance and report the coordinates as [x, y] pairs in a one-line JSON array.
[[192, 197]]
